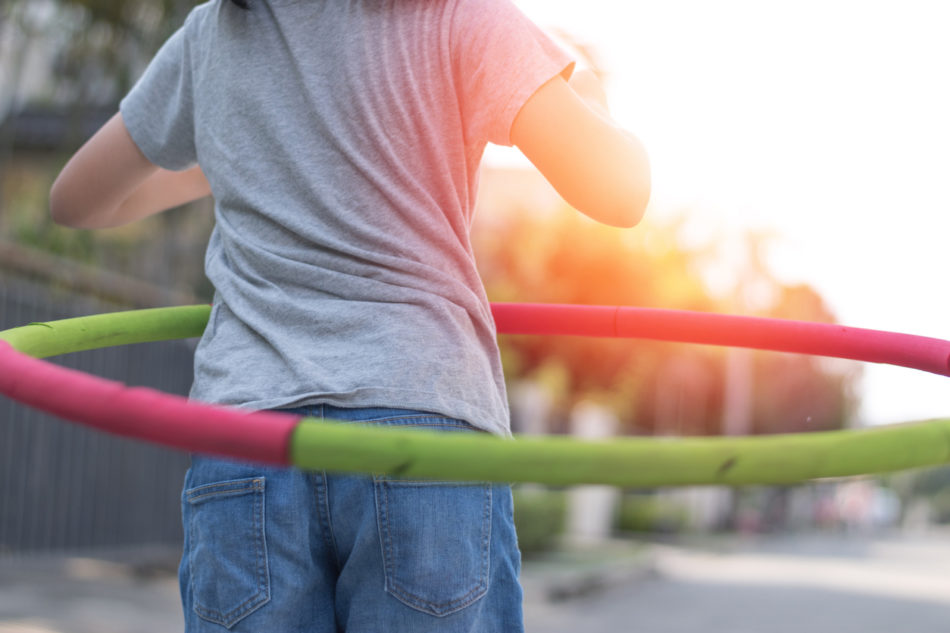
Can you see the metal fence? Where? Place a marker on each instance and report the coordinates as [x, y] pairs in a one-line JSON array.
[[68, 488]]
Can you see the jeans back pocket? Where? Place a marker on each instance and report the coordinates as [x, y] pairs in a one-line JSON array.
[[436, 542], [227, 553]]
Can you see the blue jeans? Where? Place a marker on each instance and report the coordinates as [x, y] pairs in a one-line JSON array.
[[278, 550]]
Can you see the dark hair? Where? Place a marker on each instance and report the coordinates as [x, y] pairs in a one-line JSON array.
[[241, 3]]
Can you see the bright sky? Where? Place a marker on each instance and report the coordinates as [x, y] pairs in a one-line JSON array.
[[826, 122]]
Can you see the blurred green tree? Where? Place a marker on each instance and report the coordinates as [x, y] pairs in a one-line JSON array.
[[98, 47], [84, 55]]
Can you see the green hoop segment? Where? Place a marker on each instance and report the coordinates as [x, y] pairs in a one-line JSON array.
[[320, 445]]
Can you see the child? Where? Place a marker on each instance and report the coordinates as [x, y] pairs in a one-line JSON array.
[[341, 140]]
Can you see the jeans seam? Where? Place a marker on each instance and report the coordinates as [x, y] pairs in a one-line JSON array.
[[486, 544], [254, 486], [262, 571], [386, 538], [326, 521], [422, 422]]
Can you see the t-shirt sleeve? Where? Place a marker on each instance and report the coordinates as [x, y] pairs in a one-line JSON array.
[[502, 58], [159, 110]]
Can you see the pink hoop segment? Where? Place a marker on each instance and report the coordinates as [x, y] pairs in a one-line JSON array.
[[145, 413], [800, 337]]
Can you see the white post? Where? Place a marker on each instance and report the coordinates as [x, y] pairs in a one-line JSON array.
[[591, 509], [531, 407]]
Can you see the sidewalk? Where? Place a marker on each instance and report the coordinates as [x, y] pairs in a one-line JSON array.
[[115, 592], [137, 592], [581, 571]]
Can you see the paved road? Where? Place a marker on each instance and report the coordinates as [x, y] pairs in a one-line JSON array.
[[840, 584], [834, 583], [85, 595]]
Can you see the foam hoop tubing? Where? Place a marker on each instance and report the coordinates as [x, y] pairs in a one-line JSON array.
[[633, 462], [132, 411], [803, 337]]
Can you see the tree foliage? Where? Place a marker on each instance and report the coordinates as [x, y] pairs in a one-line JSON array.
[[655, 387], [99, 46]]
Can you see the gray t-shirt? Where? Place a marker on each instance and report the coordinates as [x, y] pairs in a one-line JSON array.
[[342, 139]]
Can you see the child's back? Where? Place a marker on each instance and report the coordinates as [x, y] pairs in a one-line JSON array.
[[342, 142]]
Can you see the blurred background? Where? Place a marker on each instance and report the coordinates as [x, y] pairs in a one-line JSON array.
[[800, 155]]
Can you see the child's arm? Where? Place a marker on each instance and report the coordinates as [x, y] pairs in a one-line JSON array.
[[109, 182], [598, 168]]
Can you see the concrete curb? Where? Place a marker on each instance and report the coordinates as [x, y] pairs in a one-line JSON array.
[[577, 572]]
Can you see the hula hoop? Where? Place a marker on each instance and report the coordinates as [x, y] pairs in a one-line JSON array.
[[629, 462]]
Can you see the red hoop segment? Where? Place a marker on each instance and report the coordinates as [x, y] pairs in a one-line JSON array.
[[801, 337], [145, 413]]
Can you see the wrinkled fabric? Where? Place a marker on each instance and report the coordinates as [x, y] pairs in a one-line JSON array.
[[342, 141]]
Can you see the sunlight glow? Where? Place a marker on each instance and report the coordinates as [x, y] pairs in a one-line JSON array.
[[823, 122]]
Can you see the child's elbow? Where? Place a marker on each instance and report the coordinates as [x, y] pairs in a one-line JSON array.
[[632, 206], [625, 184], [621, 200], [60, 210], [65, 208]]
